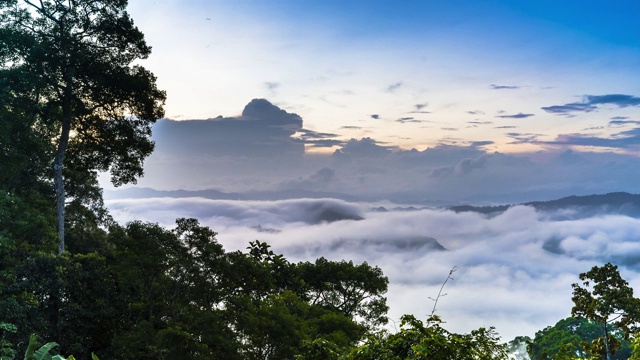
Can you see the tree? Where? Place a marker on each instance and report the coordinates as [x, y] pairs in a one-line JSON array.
[[572, 337], [354, 290], [417, 341], [67, 66], [606, 298]]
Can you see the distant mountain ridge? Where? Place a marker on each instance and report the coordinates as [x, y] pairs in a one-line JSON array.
[[620, 203]]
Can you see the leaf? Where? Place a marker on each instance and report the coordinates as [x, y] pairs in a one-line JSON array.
[[33, 342], [43, 352]]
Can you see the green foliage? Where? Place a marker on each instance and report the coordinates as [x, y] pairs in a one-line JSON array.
[[415, 340], [44, 352], [574, 337], [607, 299], [7, 352], [635, 346]]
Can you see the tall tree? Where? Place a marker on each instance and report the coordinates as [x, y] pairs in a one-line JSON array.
[[70, 63], [605, 297]]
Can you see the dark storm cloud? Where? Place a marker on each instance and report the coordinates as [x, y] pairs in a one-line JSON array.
[[515, 116], [393, 87], [592, 102], [262, 130], [622, 140], [504, 87]]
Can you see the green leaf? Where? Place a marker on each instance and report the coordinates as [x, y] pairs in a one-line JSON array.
[[43, 352]]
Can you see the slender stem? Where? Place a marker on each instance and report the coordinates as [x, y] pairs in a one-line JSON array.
[[440, 292]]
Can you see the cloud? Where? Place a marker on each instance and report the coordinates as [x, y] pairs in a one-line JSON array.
[[271, 86], [515, 116], [475, 112], [375, 116], [507, 264], [524, 138], [262, 130], [419, 107], [350, 127], [504, 87], [363, 148], [505, 127], [409, 119], [318, 139], [591, 103], [629, 139], [393, 87], [623, 122], [480, 122]]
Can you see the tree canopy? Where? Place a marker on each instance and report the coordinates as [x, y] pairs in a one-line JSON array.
[[67, 71]]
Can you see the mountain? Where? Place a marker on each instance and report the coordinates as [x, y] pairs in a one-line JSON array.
[[144, 193], [619, 203]]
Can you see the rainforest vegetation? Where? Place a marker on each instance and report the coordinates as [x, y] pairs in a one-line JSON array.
[[73, 103]]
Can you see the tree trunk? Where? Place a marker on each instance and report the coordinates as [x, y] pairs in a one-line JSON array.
[[606, 341], [58, 163]]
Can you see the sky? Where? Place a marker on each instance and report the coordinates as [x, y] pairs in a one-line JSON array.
[[284, 109], [518, 76]]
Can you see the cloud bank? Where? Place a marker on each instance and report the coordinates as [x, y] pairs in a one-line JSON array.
[[515, 269], [263, 149]]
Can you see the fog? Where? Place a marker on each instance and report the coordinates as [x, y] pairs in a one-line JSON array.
[[514, 269]]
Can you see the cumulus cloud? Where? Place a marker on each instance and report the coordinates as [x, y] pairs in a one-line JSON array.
[[515, 269], [591, 103], [365, 147], [262, 130]]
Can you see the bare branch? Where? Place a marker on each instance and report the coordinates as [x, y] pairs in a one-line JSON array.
[[440, 294]]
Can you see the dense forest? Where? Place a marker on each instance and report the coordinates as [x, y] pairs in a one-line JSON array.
[[72, 103]]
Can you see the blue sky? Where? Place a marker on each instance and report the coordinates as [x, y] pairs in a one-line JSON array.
[[405, 73]]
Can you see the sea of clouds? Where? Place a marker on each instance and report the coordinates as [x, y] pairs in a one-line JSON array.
[[514, 270]]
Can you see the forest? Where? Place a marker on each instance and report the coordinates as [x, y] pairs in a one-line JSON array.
[[73, 103]]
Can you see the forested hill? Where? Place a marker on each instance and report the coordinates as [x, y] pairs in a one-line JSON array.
[[620, 203]]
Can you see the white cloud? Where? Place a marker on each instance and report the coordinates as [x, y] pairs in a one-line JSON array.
[[508, 274]]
